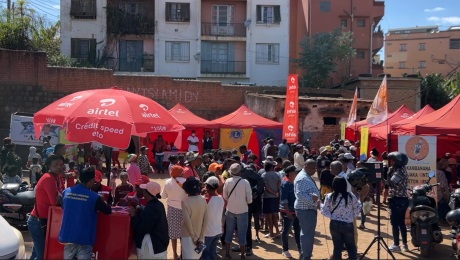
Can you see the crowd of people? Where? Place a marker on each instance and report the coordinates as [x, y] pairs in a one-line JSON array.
[[221, 195]]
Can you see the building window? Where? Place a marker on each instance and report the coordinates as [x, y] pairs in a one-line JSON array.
[[267, 53], [402, 65], [177, 51], [360, 55], [421, 46], [330, 120], [132, 8], [389, 67], [406, 31], [361, 23], [83, 9], [325, 6], [389, 55], [389, 43], [402, 47], [83, 49], [343, 22], [268, 14], [454, 43], [421, 64], [178, 12]]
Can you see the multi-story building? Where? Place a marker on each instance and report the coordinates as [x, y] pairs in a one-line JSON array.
[[424, 49], [359, 16], [229, 41]]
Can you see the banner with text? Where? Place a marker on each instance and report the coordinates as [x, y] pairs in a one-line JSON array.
[[364, 143], [421, 151], [22, 132], [291, 116], [343, 126], [233, 138]]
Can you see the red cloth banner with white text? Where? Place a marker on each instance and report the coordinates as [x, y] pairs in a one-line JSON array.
[[291, 115]]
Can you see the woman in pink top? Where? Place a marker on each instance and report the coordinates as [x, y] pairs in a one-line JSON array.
[[134, 173]]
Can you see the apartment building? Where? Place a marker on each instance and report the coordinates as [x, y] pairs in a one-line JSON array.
[[229, 41], [359, 16], [425, 49]]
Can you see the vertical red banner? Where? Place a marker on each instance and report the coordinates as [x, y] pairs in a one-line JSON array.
[[291, 111]]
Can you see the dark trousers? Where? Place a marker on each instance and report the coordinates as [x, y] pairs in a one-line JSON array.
[[287, 226], [398, 207], [254, 210], [363, 217], [342, 233]]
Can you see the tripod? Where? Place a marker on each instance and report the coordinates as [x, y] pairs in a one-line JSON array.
[[378, 239]]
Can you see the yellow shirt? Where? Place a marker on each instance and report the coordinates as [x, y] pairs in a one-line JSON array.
[[225, 175]]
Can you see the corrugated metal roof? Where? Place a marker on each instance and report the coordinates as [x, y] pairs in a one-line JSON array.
[[311, 98]]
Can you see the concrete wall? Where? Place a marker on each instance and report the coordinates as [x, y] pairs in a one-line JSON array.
[[83, 28], [268, 74]]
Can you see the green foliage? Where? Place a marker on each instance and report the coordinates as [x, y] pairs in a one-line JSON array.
[[436, 90], [322, 53], [23, 29]]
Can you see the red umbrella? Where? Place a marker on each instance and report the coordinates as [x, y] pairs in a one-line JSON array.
[[107, 116]]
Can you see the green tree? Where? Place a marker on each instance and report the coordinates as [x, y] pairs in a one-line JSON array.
[[434, 92], [23, 29], [452, 87], [322, 53]]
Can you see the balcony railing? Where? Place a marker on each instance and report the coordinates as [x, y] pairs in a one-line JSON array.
[[142, 64], [223, 29], [119, 22], [223, 67], [83, 9]]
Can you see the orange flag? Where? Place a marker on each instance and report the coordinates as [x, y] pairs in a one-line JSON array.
[[354, 106], [291, 113], [378, 112]]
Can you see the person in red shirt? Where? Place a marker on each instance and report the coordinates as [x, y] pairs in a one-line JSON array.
[[136, 197], [123, 189], [71, 179], [93, 159], [101, 189]]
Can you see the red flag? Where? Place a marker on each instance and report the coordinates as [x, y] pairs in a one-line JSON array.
[[291, 113]]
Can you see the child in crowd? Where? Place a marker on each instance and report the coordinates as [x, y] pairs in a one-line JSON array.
[[123, 189], [35, 171], [11, 175], [71, 179], [172, 161], [173, 147], [113, 180]]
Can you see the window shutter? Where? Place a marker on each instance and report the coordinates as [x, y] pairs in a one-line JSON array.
[[276, 52], [168, 46], [259, 13], [74, 7], [231, 64], [277, 14], [185, 9], [206, 57], [168, 11], [185, 51], [92, 51], [74, 46]]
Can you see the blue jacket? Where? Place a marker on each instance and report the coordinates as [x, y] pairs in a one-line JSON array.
[[79, 216], [287, 195]]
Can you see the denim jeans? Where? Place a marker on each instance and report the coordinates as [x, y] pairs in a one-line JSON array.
[[234, 221], [38, 237], [81, 251], [287, 226], [307, 220], [159, 162], [342, 233], [398, 207], [211, 245]]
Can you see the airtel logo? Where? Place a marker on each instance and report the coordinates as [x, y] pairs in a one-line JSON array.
[[292, 80], [76, 98], [144, 107], [405, 115], [180, 111], [107, 102], [246, 113], [292, 104], [290, 128]]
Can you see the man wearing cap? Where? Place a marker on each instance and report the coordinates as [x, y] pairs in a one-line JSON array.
[[150, 226], [190, 165], [335, 141], [134, 172], [144, 164], [238, 194], [321, 160], [104, 191], [306, 205], [272, 149], [136, 197], [79, 217]]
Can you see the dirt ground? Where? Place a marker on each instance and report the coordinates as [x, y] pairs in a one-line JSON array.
[[323, 243]]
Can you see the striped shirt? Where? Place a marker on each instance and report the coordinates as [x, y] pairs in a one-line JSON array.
[[304, 187]]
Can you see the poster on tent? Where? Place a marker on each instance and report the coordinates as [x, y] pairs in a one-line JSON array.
[[22, 132], [233, 138], [364, 143], [261, 134], [421, 151]]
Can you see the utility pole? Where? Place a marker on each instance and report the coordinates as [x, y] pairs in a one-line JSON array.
[[352, 8], [8, 4]]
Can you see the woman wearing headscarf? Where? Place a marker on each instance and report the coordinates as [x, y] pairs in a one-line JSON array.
[[134, 172], [174, 194], [33, 154]]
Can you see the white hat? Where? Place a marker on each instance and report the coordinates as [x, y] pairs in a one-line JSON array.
[[270, 159], [152, 187], [348, 156], [322, 149], [347, 143], [212, 181]]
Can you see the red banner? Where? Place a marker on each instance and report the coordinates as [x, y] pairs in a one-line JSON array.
[[291, 113]]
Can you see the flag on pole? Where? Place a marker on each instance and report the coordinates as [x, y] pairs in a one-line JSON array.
[[354, 106], [379, 108], [291, 113]]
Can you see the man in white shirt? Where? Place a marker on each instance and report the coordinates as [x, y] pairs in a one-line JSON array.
[[238, 194], [193, 142]]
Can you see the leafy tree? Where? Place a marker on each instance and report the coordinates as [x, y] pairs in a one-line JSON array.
[[23, 29], [434, 90], [322, 53]]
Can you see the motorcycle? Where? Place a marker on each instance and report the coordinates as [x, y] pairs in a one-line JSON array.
[[16, 201], [425, 226], [453, 218]]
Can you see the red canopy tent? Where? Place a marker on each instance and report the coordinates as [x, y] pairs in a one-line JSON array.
[[190, 120], [423, 112], [355, 129], [243, 117], [380, 131]]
